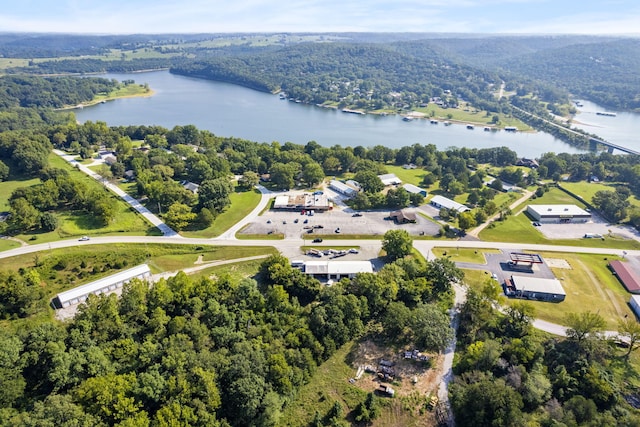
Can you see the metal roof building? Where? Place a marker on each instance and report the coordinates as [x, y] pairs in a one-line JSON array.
[[558, 213], [335, 270], [390, 179], [626, 275], [634, 302], [535, 288], [105, 285], [342, 188], [442, 202], [415, 189]]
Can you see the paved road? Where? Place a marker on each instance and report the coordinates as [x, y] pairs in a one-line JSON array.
[[266, 195], [148, 215]]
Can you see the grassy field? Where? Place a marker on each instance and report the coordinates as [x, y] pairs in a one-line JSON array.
[[468, 114], [174, 262], [8, 187], [242, 203], [587, 190], [408, 176], [236, 271], [589, 285], [6, 244], [475, 256], [328, 385]]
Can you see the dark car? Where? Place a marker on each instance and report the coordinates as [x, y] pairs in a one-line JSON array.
[[356, 214], [318, 240]]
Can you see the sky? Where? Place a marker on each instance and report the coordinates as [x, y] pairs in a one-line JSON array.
[[223, 16]]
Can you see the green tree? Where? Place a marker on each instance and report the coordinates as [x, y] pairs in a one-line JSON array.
[[431, 328], [368, 410], [466, 220], [397, 244], [369, 181], [23, 216], [214, 194], [312, 174], [249, 180], [629, 329], [4, 171], [179, 216]]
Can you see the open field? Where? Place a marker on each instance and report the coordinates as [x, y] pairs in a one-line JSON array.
[[8, 187], [242, 203], [408, 176], [6, 244], [475, 256], [589, 286], [236, 271], [468, 114], [587, 190]]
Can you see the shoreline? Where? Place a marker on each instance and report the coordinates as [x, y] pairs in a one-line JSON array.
[[147, 94]]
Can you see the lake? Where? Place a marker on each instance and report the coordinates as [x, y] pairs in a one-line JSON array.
[[230, 110]]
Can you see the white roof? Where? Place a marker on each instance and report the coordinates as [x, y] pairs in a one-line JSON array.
[[535, 284], [389, 179], [555, 210], [448, 203], [413, 188], [121, 276], [342, 187], [337, 267], [281, 201]]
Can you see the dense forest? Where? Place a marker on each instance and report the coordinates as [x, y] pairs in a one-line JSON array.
[[210, 352]]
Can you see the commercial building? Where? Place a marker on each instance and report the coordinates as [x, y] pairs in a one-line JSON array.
[[626, 275], [336, 270], [414, 189], [561, 214], [403, 216], [306, 201], [442, 202], [535, 288], [342, 188], [390, 179], [106, 285]]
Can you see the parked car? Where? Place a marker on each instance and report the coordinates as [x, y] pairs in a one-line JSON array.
[[318, 226], [295, 221], [338, 230], [306, 221], [268, 221], [84, 238], [317, 240], [356, 214]]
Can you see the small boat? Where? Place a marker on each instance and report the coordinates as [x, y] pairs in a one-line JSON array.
[[510, 129], [433, 122], [606, 113], [407, 118], [487, 129], [471, 127], [447, 123], [282, 95]]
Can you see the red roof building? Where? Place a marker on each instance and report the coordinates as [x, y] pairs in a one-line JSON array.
[[626, 275]]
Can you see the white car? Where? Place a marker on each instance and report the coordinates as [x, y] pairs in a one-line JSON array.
[[84, 238]]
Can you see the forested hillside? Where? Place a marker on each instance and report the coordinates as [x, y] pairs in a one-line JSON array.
[[366, 76]]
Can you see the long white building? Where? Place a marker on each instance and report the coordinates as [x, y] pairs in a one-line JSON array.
[[106, 285]]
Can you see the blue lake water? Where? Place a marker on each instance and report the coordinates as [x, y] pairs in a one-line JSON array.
[[230, 110]]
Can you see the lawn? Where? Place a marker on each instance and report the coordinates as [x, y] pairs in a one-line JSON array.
[[408, 176], [242, 203], [475, 256], [235, 271], [587, 190], [6, 244], [469, 114], [8, 187]]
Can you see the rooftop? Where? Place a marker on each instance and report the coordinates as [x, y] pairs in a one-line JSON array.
[[626, 275], [552, 210], [535, 284]]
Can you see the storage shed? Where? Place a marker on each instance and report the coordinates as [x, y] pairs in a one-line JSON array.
[[342, 188], [627, 276], [414, 189], [106, 285], [442, 202]]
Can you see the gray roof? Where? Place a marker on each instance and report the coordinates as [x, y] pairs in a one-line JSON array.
[[535, 284], [414, 189], [558, 210], [448, 203], [337, 267]]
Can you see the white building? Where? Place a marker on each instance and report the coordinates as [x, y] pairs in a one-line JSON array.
[[342, 188], [106, 285], [558, 213], [414, 189], [390, 179], [535, 288], [306, 201], [335, 270], [634, 302], [442, 202]]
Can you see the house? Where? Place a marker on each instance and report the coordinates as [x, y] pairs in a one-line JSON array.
[[130, 174], [626, 275], [559, 214], [353, 184], [187, 185], [342, 188], [403, 216], [389, 179], [110, 159], [530, 163], [336, 270], [442, 202], [414, 189], [535, 288], [106, 285], [265, 177]]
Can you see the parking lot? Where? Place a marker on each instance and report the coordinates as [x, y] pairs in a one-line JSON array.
[[337, 221], [577, 230], [498, 264]]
